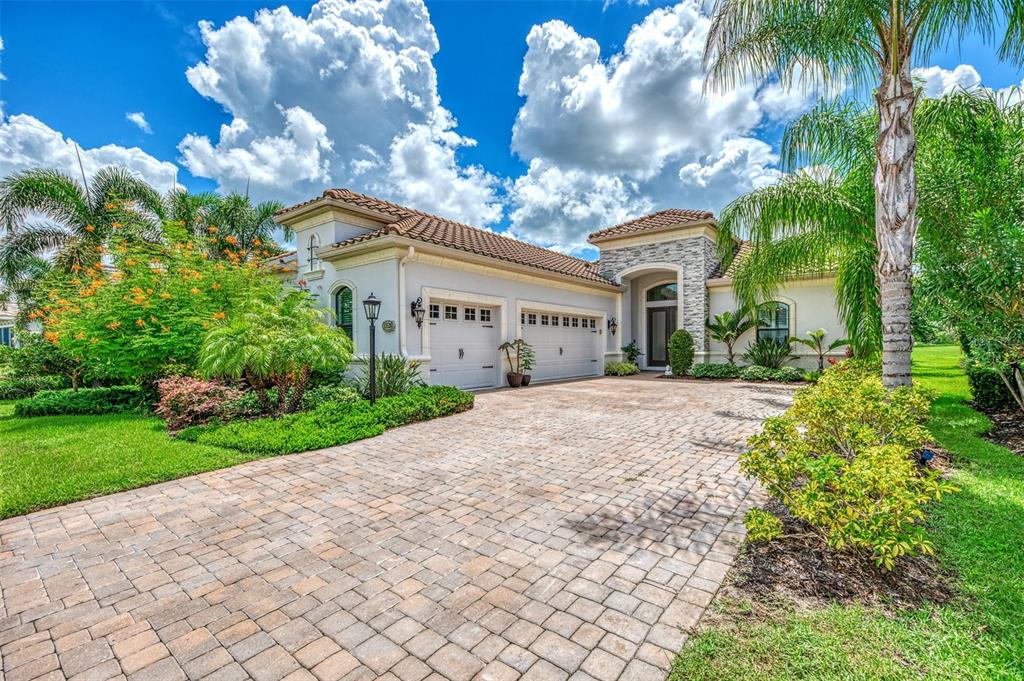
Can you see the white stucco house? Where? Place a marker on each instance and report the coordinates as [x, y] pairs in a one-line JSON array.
[[655, 274], [8, 313]]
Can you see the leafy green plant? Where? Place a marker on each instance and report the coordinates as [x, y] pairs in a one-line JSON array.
[[728, 327], [113, 400], [754, 372], [18, 388], [395, 375], [621, 369], [632, 352], [988, 391], [527, 356], [768, 352], [841, 459], [322, 394], [707, 370], [680, 352], [519, 355], [332, 423], [816, 341], [762, 525]]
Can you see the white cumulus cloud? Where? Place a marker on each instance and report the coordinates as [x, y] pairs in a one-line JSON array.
[[27, 143], [139, 119], [937, 81], [345, 96], [608, 138]]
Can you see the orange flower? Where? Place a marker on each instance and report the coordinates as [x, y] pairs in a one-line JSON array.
[[51, 336], [97, 266], [211, 229], [256, 242], [219, 315], [90, 228], [116, 225], [109, 206], [113, 326], [140, 323], [196, 291], [80, 335], [231, 240], [94, 340], [76, 267], [216, 286], [129, 261], [165, 295]]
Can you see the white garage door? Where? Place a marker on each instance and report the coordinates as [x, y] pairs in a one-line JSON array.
[[566, 346], [463, 344]]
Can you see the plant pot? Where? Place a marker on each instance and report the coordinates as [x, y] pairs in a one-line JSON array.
[[514, 380], [526, 380]]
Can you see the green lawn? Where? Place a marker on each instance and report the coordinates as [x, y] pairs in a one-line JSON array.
[[979, 534], [52, 460]]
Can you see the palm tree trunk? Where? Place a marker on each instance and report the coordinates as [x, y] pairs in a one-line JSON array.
[[895, 218]]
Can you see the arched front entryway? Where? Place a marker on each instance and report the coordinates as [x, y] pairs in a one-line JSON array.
[[654, 301]]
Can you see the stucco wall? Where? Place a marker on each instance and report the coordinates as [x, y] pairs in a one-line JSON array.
[[812, 306]]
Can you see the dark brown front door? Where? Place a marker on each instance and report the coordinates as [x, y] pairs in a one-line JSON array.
[[661, 322]]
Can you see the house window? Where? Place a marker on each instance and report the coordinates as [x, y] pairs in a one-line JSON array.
[[565, 321], [469, 314], [554, 320], [773, 322], [313, 258], [543, 320], [593, 323], [662, 293], [7, 336], [485, 314], [531, 319], [343, 310], [451, 312], [575, 322], [435, 311]]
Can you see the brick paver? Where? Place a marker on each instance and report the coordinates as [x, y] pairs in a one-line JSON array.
[[570, 530]]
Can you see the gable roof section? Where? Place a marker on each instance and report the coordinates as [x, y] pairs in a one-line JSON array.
[[663, 219], [420, 226]]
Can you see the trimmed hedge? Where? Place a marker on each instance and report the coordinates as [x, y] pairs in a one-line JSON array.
[[332, 423], [709, 370], [782, 375], [621, 369], [987, 388], [112, 400], [19, 388], [680, 352]]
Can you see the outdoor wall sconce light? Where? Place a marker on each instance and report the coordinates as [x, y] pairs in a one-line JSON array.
[[418, 311], [613, 325]]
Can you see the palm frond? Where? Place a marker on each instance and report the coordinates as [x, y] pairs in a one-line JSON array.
[[113, 183], [834, 133], [33, 240], [51, 193]]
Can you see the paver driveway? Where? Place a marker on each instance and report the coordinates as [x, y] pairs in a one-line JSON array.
[[564, 530]]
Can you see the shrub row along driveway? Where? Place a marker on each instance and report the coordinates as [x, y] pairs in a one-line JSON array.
[[559, 530]]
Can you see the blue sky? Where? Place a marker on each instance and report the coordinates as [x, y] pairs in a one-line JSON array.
[[583, 155]]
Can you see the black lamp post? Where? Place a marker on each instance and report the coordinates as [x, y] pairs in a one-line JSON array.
[[371, 306]]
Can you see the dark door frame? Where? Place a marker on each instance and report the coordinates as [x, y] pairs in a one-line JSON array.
[[670, 327]]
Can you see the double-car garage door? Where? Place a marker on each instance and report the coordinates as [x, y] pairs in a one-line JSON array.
[[464, 340]]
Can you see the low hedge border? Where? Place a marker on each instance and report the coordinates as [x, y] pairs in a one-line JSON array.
[[331, 424], [20, 388], [84, 401], [748, 373]]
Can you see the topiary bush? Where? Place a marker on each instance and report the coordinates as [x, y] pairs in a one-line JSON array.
[[332, 423], [19, 388], [707, 370], [680, 352], [621, 369], [84, 401], [185, 401], [842, 460], [988, 391]]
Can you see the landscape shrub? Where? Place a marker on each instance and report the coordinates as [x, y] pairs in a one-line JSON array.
[[762, 525], [395, 375], [842, 459], [621, 369], [186, 401], [112, 400], [988, 391], [768, 352], [680, 352], [322, 394], [708, 370], [332, 423], [19, 388], [755, 372]]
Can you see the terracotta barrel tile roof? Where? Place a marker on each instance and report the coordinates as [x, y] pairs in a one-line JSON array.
[[663, 219], [414, 224]]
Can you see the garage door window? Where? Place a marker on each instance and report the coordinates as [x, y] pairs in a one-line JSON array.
[[531, 319], [543, 320], [593, 323], [435, 311], [575, 322], [485, 314], [469, 314], [565, 321], [451, 312]]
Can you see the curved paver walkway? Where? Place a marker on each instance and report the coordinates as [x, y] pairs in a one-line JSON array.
[[563, 530]]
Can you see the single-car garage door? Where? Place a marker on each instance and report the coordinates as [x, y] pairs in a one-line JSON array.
[[463, 344], [566, 346]]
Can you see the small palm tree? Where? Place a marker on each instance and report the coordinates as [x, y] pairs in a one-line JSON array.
[[728, 327], [45, 212], [240, 227], [864, 43], [191, 211], [816, 341]]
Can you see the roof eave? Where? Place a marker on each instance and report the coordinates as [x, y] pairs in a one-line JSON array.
[[595, 240], [294, 213]]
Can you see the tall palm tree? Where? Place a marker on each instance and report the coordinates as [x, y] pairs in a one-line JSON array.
[[863, 42], [191, 211], [242, 225], [815, 221], [46, 212]]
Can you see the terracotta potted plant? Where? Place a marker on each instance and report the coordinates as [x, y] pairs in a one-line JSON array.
[[515, 373], [526, 359]]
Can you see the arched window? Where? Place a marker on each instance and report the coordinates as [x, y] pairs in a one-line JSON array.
[[662, 293], [314, 259], [773, 321], [343, 309]]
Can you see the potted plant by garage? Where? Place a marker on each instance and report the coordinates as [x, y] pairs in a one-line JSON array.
[[515, 373], [526, 358]]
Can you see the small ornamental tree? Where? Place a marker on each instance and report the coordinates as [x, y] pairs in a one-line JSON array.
[[728, 327], [275, 343], [149, 308], [816, 341], [680, 352]]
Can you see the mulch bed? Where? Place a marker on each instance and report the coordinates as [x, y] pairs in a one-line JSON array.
[[1007, 430], [803, 571]]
